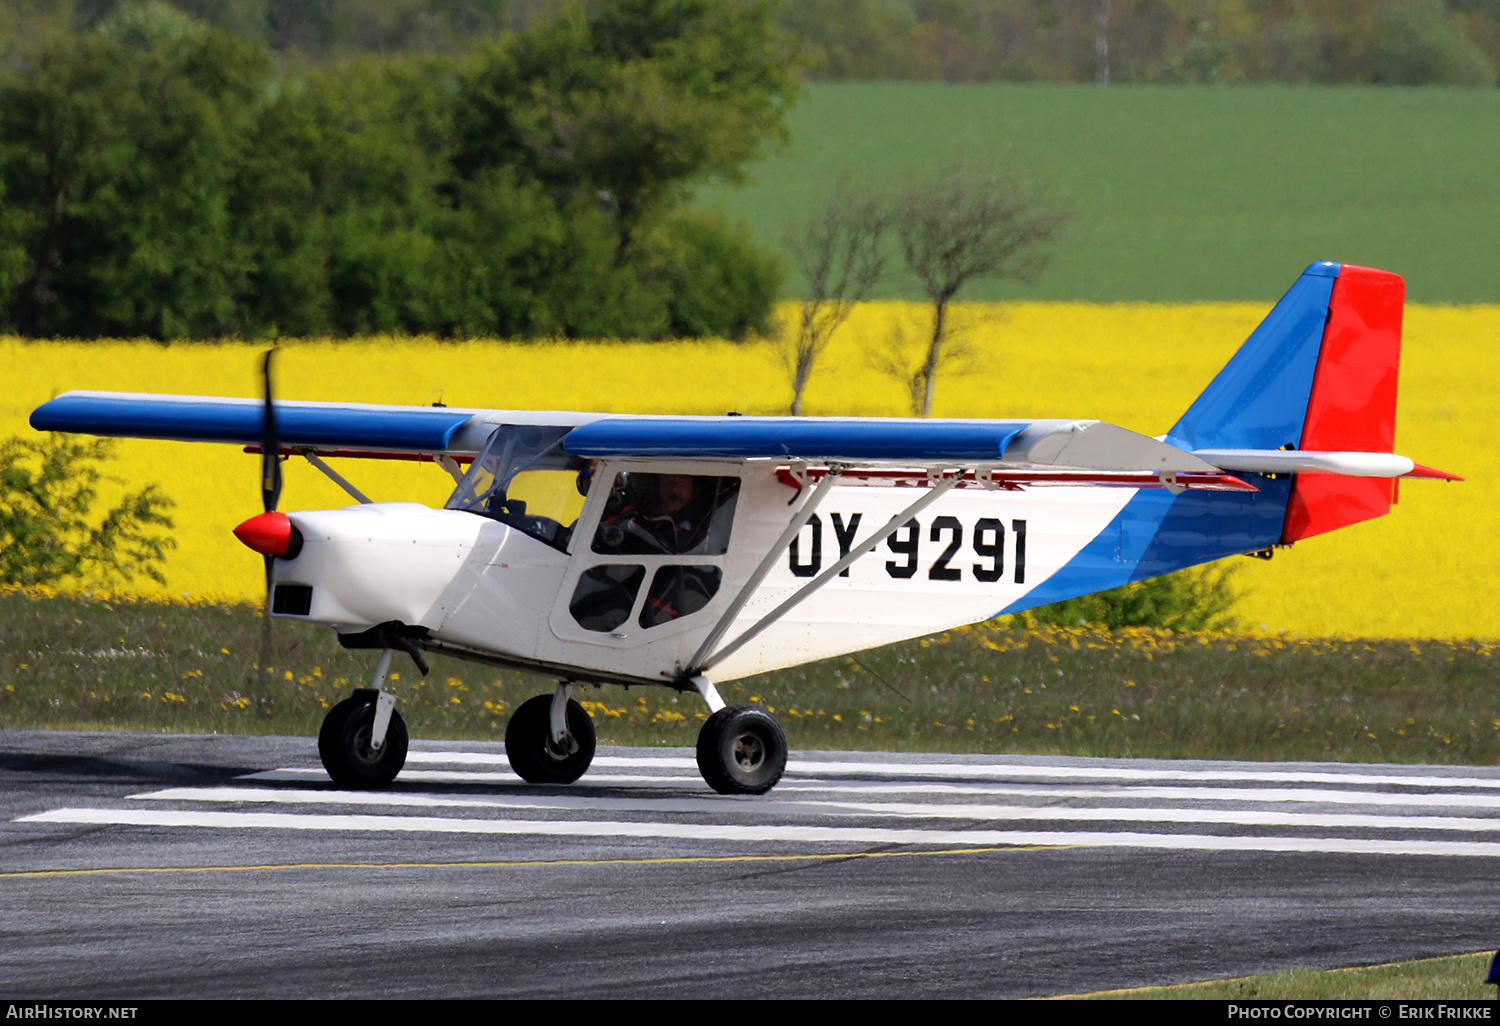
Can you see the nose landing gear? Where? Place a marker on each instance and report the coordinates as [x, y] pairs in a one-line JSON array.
[[363, 739]]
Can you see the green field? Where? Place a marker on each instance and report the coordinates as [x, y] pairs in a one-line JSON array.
[[1182, 193], [84, 664]]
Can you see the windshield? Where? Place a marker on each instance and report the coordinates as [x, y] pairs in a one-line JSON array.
[[524, 479]]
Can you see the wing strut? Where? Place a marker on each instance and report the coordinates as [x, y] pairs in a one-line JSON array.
[[936, 492], [772, 555], [335, 476]]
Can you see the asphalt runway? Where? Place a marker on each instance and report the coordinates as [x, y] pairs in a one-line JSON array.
[[141, 866]]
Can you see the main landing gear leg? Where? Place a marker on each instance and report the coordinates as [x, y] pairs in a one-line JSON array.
[[550, 739], [363, 741], [741, 749]]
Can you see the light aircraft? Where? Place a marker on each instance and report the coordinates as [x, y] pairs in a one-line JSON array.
[[685, 551]]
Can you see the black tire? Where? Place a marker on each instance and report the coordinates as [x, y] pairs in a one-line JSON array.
[[528, 743], [741, 750], [344, 744]]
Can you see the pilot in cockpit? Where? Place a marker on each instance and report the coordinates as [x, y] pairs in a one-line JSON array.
[[656, 513]]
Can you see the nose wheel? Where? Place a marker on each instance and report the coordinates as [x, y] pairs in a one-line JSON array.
[[534, 753], [741, 750], [344, 743]]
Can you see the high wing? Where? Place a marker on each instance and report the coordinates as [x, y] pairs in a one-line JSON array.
[[382, 431], [361, 429], [874, 451]]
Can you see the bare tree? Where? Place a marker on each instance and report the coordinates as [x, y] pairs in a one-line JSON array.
[[956, 227], [1101, 45], [902, 353], [839, 254]]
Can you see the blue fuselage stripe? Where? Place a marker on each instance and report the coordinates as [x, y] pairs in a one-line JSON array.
[[1158, 532]]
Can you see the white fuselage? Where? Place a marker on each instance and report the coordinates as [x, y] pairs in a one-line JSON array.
[[486, 588]]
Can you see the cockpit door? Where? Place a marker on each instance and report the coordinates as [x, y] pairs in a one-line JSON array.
[[649, 553]]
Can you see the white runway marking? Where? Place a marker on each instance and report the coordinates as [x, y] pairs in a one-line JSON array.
[[809, 767], [499, 759], [1183, 794], [481, 777], [832, 801], [727, 832], [764, 807]]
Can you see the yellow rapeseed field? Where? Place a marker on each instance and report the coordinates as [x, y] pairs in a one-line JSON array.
[[1423, 571]]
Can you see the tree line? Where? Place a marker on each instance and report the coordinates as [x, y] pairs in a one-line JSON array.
[[1331, 42], [161, 177], [521, 168], [1368, 42]]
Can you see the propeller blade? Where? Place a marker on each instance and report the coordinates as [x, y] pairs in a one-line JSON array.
[[270, 493], [270, 445]]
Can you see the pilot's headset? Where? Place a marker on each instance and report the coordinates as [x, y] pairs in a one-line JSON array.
[[611, 534], [621, 493]]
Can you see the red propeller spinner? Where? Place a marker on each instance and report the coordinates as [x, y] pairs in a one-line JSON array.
[[270, 534]]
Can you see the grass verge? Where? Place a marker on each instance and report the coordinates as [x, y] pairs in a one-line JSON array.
[[1459, 978], [90, 663]]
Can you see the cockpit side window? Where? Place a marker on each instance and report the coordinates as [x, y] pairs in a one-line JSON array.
[[667, 514], [524, 479]]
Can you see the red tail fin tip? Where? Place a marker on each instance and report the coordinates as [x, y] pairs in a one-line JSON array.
[[1352, 407]]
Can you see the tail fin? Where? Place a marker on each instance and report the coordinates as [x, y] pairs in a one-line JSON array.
[[1318, 375], [1353, 403]]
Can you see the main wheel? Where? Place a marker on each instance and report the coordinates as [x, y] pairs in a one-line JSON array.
[[529, 747], [344, 744], [741, 750]]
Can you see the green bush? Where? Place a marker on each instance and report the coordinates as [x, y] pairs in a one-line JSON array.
[[1196, 599], [1419, 44], [716, 280], [49, 532]]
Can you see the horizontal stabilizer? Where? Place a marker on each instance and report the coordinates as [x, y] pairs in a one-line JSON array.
[[1294, 461], [1432, 474]]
